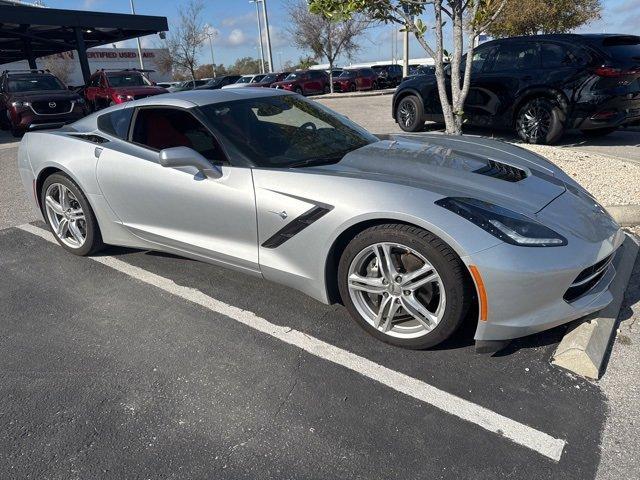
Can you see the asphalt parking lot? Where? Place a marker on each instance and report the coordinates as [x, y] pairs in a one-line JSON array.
[[143, 365], [104, 375]]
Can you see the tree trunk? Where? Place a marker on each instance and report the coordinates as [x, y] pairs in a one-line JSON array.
[[447, 111]]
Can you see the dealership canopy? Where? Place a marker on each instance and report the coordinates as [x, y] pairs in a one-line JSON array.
[[28, 33]]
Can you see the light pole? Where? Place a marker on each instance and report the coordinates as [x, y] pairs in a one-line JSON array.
[[259, 34], [133, 11], [210, 32], [266, 26]]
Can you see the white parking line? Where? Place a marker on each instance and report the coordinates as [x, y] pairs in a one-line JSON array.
[[516, 432]]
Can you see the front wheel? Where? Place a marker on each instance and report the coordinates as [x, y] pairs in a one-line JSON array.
[[299, 91], [404, 285], [326, 89], [540, 121], [374, 86], [69, 216], [409, 113]]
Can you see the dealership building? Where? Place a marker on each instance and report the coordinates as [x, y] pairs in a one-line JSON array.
[[66, 65], [72, 42]]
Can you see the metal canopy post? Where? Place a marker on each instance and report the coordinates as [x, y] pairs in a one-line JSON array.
[[82, 55]]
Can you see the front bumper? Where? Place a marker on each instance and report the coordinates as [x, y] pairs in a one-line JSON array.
[[525, 286], [26, 119]]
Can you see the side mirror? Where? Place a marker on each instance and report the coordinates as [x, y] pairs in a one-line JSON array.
[[188, 157]]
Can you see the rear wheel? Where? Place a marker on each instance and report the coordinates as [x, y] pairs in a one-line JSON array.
[[598, 132], [326, 89], [352, 87], [15, 130], [540, 121], [404, 285], [409, 114], [69, 216], [374, 86]]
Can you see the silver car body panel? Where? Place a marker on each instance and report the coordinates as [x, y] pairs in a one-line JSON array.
[[233, 220]]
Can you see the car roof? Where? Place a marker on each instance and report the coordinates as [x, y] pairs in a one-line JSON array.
[[570, 37], [189, 98]]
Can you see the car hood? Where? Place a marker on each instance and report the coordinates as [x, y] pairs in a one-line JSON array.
[[484, 169], [148, 90], [42, 95]]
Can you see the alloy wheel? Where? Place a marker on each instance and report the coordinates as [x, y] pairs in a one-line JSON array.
[[65, 215], [407, 113], [534, 123], [396, 290]]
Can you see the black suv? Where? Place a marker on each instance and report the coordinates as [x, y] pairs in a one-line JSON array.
[[389, 76], [540, 86], [32, 99]]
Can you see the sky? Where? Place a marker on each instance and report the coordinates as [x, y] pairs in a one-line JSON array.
[[237, 30]]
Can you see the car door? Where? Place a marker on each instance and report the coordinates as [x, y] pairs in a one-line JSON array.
[[512, 68], [180, 208]]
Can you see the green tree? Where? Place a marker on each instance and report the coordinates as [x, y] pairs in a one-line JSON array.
[[246, 66], [528, 17], [305, 62], [324, 36], [467, 16]]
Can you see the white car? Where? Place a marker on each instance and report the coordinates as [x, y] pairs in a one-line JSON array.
[[245, 81]]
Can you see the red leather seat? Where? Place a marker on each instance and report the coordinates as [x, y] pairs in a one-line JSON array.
[[161, 133]]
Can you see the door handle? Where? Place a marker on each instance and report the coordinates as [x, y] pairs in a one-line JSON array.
[[97, 152]]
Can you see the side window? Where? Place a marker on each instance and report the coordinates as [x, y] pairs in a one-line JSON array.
[[516, 56], [553, 55], [116, 123], [160, 128], [479, 59]]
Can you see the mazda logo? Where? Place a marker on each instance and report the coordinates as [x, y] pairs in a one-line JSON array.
[[52, 104]]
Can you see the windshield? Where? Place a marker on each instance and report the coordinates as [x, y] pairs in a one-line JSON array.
[[272, 77], [127, 80], [246, 79], [347, 73], [31, 84], [293, 76], [286, 130], [623, 47]]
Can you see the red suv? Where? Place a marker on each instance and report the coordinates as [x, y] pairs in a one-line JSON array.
[[305, 82], [356, 79], [106, 88]]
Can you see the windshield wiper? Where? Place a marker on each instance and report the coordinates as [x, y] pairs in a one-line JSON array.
[[325, 160]]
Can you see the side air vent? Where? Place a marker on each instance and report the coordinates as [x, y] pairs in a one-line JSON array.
[[90, 138], [502, 172]]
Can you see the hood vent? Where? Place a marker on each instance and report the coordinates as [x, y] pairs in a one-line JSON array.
[[502, 171]]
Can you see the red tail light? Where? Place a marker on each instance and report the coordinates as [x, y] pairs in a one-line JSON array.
[[606, 71]]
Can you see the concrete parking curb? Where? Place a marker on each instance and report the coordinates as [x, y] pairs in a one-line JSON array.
[[373, 93], [585, 346], [625, 215]]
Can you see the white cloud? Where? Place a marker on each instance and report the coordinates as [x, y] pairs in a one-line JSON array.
[[237, 38], [249, 17]]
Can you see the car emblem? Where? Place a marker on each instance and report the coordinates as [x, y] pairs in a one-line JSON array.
[[53, 104]]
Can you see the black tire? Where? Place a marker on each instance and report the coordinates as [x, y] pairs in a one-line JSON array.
[[410, 113], [457, 284], [540, 121], [4, 121], [326, 89], [598, 132], [93, 242], [298, 90], [374, 86], [352, 87], [16, 131]]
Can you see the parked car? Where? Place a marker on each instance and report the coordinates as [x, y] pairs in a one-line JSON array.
[[413, 236], [305, 82], [111, 87], [420, 70], [354, 79], [218, 82], [167, 85], [270, 79], [540, 86], [188, 85], [389, 76], [246, 81], [32, 99]]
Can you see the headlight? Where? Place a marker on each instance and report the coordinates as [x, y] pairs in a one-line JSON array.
[[20, 104], [80, 101], [508, 226]]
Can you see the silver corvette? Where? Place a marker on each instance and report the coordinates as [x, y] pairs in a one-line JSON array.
[[413, 236]]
